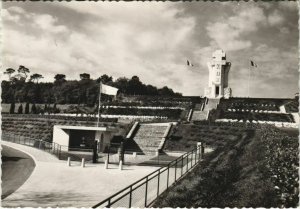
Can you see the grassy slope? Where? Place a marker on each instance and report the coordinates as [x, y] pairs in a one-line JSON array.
[[186, 136], [234, 175]]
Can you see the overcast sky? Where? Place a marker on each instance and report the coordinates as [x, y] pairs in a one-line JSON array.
[[153, 40]]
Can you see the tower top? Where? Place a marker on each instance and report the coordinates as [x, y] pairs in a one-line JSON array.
[[219, 55]]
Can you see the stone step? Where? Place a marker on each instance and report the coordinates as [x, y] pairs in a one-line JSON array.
[[199, 115]]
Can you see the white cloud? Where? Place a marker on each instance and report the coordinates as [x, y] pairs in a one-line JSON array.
[[16, 9], [151, 40], [48, 23], [227, 33], [6, 15], [275, 18], [129, 42]]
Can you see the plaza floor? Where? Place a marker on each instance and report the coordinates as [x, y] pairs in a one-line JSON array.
[[54, 184]]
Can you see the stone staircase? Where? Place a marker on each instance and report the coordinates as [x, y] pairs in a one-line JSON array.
[[150, 138], [201, 113], [211, 104]]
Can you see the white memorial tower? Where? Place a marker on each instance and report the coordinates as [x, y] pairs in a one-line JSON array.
[[218, 76]]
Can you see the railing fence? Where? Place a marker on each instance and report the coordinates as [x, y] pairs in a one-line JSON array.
[[50, 147], [143, 192]]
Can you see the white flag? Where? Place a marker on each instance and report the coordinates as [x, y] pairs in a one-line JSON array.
[[105, 89]]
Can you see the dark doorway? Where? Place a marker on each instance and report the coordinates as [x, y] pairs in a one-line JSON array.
[[217, 90], [82, 139]]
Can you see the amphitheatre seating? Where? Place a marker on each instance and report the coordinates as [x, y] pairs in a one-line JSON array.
[[39, 127], [169, 113], [149, 137], [292, 106], [264, 104], [256, 116]]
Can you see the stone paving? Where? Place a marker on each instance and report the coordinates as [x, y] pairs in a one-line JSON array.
[[54, 184]]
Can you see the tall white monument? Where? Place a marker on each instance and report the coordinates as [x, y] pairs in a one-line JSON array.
[[218, 76]]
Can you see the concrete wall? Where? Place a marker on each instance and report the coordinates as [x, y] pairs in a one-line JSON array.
[[61, 137]]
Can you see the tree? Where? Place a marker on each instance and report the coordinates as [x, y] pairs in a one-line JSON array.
[[27, 108], [165, 91], [20, 109], [84, 76], [12, 108], [135, 86], [36, 77], [33, 109], [23, 70], [17, 78], [59, 78], [55, 109], [105, 78], [9, 72]]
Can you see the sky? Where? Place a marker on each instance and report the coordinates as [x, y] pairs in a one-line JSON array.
[[154, 40]]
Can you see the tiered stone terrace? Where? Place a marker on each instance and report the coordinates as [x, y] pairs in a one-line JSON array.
[[148, 137]]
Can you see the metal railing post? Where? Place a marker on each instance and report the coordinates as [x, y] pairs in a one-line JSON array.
[[108, 203], [146, 192], [175, 169], [168, 175], [158, 182], [199, 151], [192, 159], [196, 156], [130, 197], [182, 165], [187, 161], [59, 152]]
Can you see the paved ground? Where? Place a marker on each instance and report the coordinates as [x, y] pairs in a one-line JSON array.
[[54, 184], [16, 169]]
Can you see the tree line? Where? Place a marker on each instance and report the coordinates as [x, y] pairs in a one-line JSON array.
[[23, 87]]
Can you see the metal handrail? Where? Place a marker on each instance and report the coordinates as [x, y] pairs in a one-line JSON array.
[[146, 178]]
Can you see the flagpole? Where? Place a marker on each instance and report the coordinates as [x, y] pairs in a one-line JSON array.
[[99, 104], [249, 79]]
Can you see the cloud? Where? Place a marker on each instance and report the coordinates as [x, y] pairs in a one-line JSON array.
[[152, 40], [275, 18], [227, 33], [284, 30], [48, 23], [5, 14], [289, 5], [129, 42]]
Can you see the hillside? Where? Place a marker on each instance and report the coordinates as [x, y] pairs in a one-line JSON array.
[[258, 161]]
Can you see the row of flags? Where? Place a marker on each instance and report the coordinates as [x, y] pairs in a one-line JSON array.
[[109, 90], [252, 63]]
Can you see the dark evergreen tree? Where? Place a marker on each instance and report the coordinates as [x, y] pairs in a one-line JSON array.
[[33, 109], [12, 108], [27, 108], [20, 109], [46, 108]]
